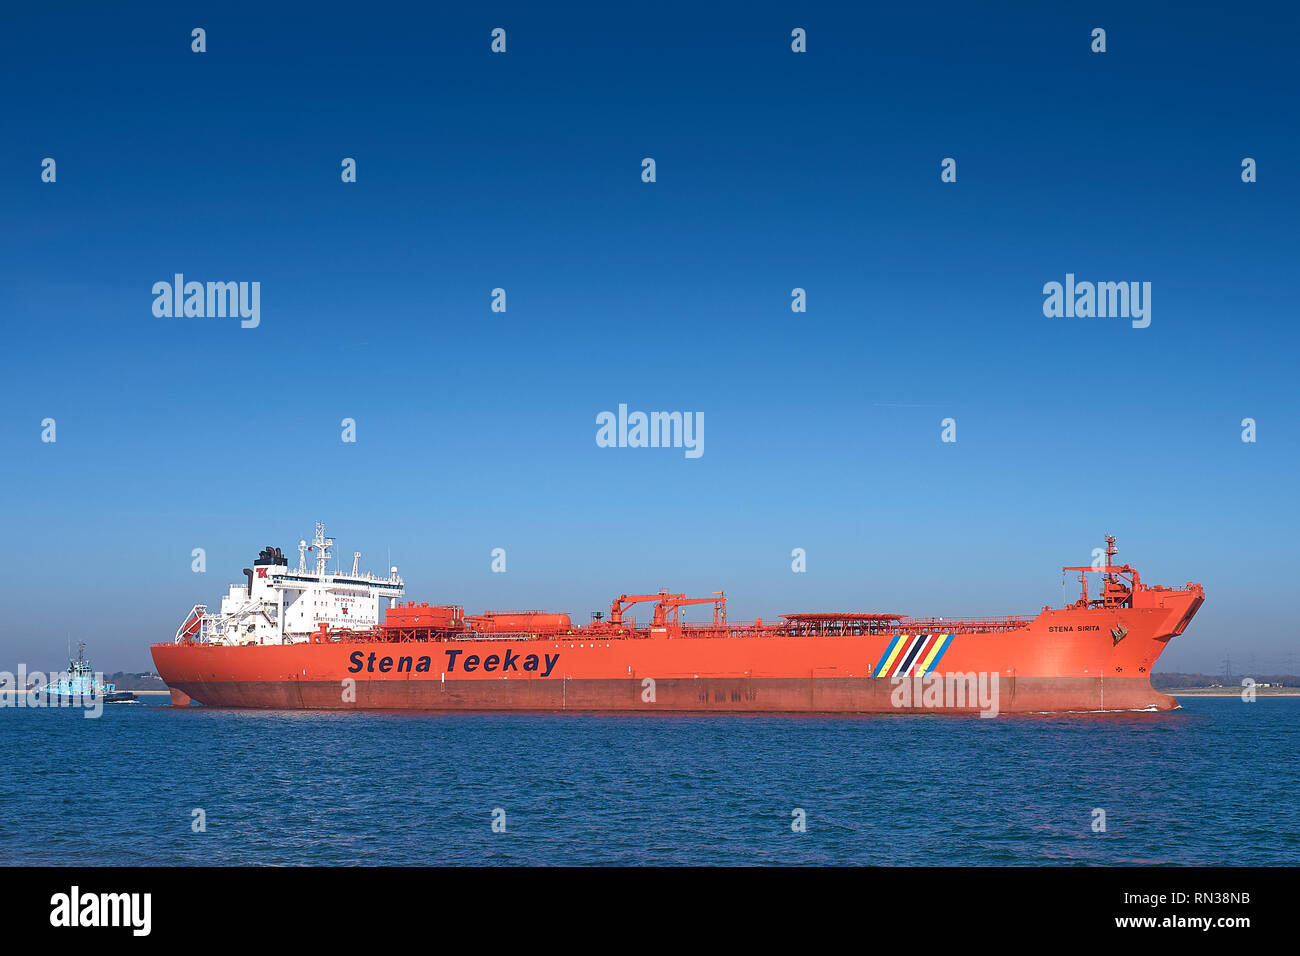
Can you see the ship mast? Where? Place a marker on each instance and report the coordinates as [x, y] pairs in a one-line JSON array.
[[322, 545]]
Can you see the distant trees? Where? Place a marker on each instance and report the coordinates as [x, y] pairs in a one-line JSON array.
[[1173, 680]]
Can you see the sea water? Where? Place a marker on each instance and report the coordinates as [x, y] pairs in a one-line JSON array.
[[1212, 783]]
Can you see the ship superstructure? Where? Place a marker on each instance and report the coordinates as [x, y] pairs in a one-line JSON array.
[[282, 605]]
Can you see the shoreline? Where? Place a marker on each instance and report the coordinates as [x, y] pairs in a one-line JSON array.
[[1232, 692]]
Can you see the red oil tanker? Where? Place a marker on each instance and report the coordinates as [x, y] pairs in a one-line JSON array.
[[296, 639]]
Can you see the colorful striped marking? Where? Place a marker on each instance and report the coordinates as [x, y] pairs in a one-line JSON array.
[[887, 659], [937, 650], [912, 652]]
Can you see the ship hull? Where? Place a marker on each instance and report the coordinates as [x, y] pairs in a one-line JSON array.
[[830, 695], [1065, 660], [79, 700]]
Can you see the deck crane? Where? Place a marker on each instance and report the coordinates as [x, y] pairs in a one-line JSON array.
[[1116, 592], [677, 601], [625, 601], [666, 602]]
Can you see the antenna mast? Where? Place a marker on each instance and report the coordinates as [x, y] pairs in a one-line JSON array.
[[322, 545]]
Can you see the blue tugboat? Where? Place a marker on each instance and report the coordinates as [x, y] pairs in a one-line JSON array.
[[79, 683]]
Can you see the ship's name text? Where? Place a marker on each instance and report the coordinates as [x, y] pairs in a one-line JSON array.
[[1071, 627], [510, 661]]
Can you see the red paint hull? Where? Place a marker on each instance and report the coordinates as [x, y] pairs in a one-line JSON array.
[[1064, 660], [730, 695]]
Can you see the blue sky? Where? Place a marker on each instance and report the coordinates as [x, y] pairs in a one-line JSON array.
[[476, 430]]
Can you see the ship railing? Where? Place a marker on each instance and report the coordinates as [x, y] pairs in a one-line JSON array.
[[943, 625], [856, 628], [628, 631]]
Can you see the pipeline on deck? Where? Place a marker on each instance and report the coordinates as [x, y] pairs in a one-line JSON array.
[[411, 622]]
